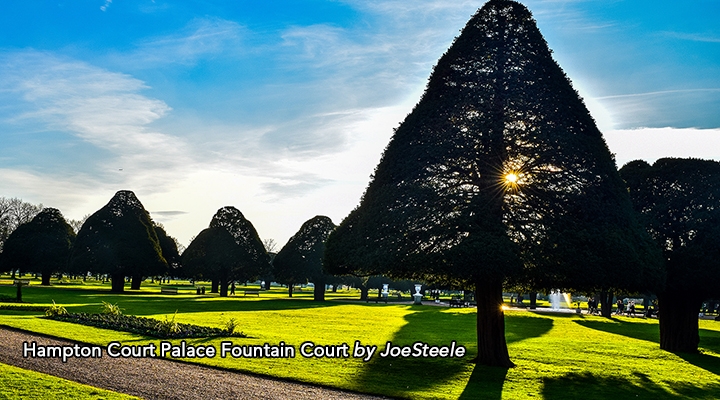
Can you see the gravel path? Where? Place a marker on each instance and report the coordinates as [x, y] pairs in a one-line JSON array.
[[155, 378]]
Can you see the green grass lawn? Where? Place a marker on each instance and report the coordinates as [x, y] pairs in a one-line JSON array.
[[557, 355], [17, 383]]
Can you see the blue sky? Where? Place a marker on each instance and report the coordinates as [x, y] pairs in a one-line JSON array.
[[282, 108]]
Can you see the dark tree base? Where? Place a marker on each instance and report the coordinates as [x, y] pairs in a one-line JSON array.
[[364, 290], [679, 322], [606, 303], [117, 284], [135, 283], [492, 348], [319, 292]]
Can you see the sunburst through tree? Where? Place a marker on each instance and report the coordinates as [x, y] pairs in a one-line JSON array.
[[499, 172]]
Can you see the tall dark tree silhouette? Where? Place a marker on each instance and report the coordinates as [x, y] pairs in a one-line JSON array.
[[213, 255], [229, 250], [499, 171], [41, 245], [680, 202], [119, 240], [301, 259], [169, 250]]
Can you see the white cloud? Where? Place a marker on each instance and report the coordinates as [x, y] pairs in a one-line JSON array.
[[105, 6], [103, 109]]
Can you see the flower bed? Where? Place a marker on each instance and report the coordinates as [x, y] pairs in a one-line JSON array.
[[145, 326]]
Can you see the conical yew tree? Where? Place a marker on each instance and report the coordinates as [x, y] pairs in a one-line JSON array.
[[119, 240], [499, 171], [301, 258], [41, 245], [229, 250]]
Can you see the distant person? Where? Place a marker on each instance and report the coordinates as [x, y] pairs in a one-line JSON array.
[[232, 289], [631, 309]]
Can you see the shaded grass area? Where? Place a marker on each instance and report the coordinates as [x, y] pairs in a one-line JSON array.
[[557, 355], [17, 383]]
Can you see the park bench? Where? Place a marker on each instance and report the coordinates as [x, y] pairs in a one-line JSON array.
[[168, 290], [255, 292], [458, 303]]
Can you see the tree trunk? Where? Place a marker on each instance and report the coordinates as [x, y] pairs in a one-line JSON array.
[[606, 303], [533, 300], [364, 292], [267, 284], [136, 280], [492, 348], [117, 283], [290, 289], [215, 283], [223, 288], [46, 278], [679, 322], [319, 290]]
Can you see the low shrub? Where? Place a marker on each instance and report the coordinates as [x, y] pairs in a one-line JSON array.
[[55, 310], [112, 309], [145, 326], [168, 328]]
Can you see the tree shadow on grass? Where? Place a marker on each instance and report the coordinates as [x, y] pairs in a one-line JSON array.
[[436, 326], [709, 339], [577, 386], [641, 331], [484, 383], [707, 362]]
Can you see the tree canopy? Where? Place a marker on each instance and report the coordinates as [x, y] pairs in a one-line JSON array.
[[680, 203], [498, 172], [41, 245], [13, 213], [169, 250], [229, 250], [301, 259], [119, 240]]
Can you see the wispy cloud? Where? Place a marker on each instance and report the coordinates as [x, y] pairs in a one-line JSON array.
[[695, 37], [678, 108], [201, 37], [105, 109], [105, 6], [657, 93]]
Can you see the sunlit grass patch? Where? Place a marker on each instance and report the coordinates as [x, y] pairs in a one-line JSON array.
[[18, 383], [557, 355]]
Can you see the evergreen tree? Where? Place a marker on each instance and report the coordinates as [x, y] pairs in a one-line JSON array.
[[498, 172], [41, 245], [680, 202], [229, 250], [300, 259], [169, 249], [119, 240], [213, 255]]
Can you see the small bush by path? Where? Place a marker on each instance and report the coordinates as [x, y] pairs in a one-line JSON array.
[[146, 326]]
